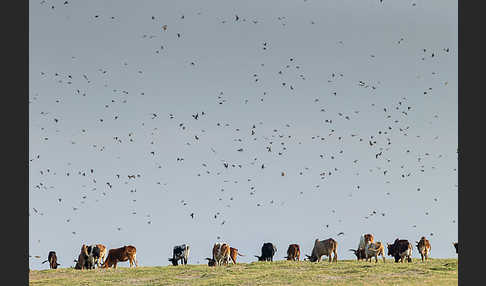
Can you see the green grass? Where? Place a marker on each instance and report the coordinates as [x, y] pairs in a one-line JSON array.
[[346, 272]]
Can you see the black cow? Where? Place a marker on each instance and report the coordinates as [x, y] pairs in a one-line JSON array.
[[93, 256], [52, 259], [268, 251], [180, 252], [456, 246], [400, 249]]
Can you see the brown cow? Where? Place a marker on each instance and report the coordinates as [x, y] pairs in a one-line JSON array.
[[293, 252], [423, 247], [324, 247], [121, 254], [233, 254], [221, 253], [225, 253], [52, 258], [82, 258]]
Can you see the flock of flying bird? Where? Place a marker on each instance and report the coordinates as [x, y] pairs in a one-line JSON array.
[[276, 140]]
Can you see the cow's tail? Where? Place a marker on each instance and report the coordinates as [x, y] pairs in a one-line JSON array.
[[44, 261], [240, 254]]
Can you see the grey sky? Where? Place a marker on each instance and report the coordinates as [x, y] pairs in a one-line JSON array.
[[359, 39]]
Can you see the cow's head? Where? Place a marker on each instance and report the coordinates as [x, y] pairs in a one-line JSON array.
[[312, 258], [174, 261], [357, 253], [260, 258], [211, 262]]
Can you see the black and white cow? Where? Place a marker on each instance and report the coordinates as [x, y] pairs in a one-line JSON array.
[[93, 256], [180, 252]]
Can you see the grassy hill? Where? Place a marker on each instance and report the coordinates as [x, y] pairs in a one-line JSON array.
[[346, 272]]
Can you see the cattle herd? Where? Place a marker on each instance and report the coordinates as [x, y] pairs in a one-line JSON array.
[[400, 250]]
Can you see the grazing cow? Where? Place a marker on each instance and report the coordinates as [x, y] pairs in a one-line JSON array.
[[102, 249], [82, 258], [400, 249], [268, 251], [323, 247], [180, 252], [121, 254], [52, 258], [221, 253], [93, 256], [455, 246], [423, 247], [293, 252], [234, 253]]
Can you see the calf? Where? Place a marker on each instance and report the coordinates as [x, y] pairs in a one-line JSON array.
[[233, 254], [423, 247], [293, 252], [221, 253], [400, 249], [180, 252], [323, 247], [455, 246], [268, 251], [52, 258], [121, 254]]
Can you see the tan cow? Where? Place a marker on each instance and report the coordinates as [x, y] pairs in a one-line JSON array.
[[121, 254], [102, 249], [324, 247], [374, 250], [423, 247]]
